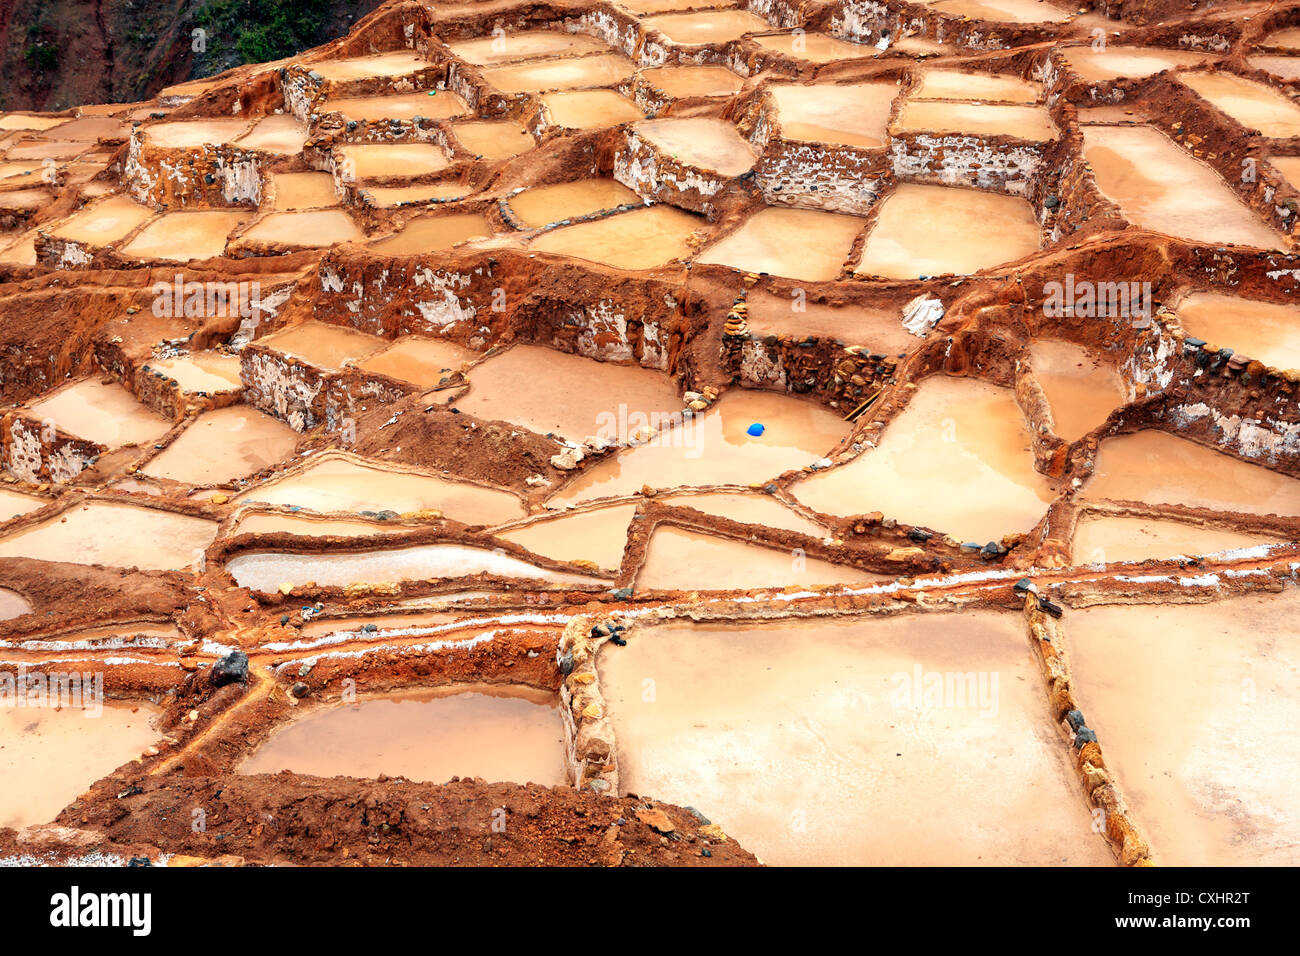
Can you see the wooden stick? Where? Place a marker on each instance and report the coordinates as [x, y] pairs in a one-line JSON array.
[[863, 407]]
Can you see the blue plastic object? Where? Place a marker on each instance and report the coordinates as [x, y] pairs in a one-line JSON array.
[[755, 429]]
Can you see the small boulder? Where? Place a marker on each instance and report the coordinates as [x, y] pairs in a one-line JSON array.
[[230, 669], [567, 460], [655, 819], [1047, 607], [700, 818]]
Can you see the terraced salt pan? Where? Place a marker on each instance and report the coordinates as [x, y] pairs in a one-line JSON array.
[[568, 395], [493, 139], [51, 756], [814, 47], [1287, 38], [1283, 67], [682, 560], [190, 134], [598, 536], [323, 345], [1251, 104], [638, 239], [448, 599], [878, 327], [691, 29], [339, 484], [749, 509], [606, 69], [387, 196], [934, 230], [957, 460], [1159, 186], [266, 571], [266, 522], [1107, 115], [497, 733], [1267, 331], [13, 504], [543, 205], [443, 104], [644, 8], [22, 252], [680, 82], [119, 632], [1100, 539], [24, 121], [14, 170], [182, 236], [419, 360], [305, 229], [1100, 66], [391, 160], [1159, 468], [432, 233], [976, 119], [209, 372], [526, 44], [92, 129], [798, 243], [188, 91], [104, 222], [1003, 11], [702, 142], [590, 109], [1082, 387], [715, 449], [224, 444], [25, 199], [98, 158], [990, 87], [81, 174], [1207, 764], [851, 114], [362, 67], [276, 134], [12, 605], [824, 743], [318, 627], [46, 149], [115, 535], [108, 415]]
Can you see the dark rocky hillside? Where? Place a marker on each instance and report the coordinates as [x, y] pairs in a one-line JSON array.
[[60, 53]]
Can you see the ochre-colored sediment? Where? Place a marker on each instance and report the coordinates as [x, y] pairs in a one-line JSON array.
[[478, 356]]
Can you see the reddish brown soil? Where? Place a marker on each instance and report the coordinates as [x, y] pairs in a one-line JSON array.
[[289, 819]]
